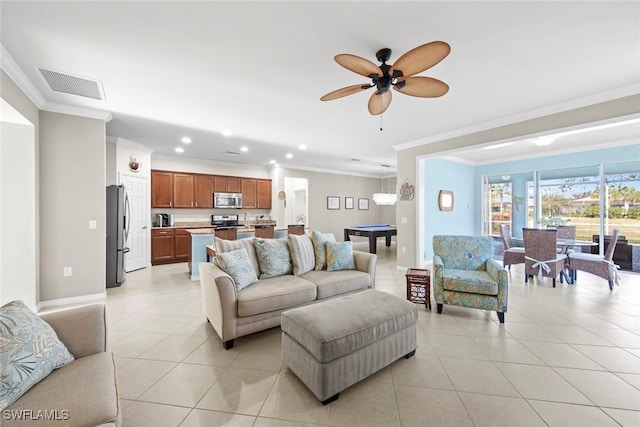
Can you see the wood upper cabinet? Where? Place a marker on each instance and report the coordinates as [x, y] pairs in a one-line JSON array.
[[227, 184], [161, 189], [183, 188], [204, 185], [249, 187], [263, 194]]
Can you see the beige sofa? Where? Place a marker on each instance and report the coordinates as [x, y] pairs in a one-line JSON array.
[[83, 393], [258, 307]]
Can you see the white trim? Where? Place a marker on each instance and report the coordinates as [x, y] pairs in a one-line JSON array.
[[90, 113], [130, 144], [72, 300], [13, 70], [621, 92]]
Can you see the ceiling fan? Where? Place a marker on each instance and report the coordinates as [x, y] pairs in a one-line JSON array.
[[400, 75]]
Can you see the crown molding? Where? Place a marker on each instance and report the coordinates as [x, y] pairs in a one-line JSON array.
[[611, 95], [15, 73], [90, 113]]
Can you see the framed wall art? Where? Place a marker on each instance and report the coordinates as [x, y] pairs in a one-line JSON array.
[[348, 202], [363, 204], [333, 202]]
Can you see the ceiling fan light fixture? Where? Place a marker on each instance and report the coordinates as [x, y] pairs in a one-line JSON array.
[[384, 198]]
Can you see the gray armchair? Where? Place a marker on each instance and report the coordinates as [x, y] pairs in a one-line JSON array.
[[465, 274]]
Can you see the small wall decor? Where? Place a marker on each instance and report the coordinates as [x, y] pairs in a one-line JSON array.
[[348, 202], [333, 202], [407, 191], [445, 200], [363, 204], [134, 164]]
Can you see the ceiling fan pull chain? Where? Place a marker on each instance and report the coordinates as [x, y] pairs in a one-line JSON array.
[[380, 122]]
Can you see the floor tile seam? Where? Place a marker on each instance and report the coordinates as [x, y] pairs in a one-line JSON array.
[[271, 390], [395, 395], [468, 412], [624, 349], [632, 385], [156, 382], [555, 369]]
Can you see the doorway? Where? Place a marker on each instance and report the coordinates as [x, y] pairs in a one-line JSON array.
[[296, 208], [136, 187]]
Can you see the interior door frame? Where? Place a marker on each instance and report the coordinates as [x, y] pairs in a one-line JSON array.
[[145, 216]]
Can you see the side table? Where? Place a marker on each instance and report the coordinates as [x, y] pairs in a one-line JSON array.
[[419, 286]]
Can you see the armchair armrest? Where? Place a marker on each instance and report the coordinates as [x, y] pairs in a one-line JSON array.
[[437, 279], [366, 262], [219, 300], [83, 330], [500, 275]]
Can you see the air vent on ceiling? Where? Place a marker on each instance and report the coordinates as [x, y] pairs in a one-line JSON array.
[[232, 153], [354, 160], [74, 85]]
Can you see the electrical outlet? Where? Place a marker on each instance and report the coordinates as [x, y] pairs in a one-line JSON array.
[[67, 271], [93, 224], [404, 219], [403, 250]]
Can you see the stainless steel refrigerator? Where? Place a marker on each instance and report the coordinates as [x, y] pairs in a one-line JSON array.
[[117, 233]]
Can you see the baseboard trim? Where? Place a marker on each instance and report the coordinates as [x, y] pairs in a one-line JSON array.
[[71, 300]]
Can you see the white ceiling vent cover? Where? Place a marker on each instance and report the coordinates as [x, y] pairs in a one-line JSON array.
[[74, 85]]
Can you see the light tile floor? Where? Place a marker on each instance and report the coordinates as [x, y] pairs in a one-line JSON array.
[[565, 356]]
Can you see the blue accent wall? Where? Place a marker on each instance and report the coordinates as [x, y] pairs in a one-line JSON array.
[[440, 174]]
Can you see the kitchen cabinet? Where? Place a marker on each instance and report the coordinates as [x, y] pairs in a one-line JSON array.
[[162, 246], [204, 185], [182, 245], [249, 187], [183, 189], [227, 184], [161, 189], [263, 194]]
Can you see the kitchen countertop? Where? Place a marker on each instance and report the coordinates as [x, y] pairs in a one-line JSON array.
[[202, 224]]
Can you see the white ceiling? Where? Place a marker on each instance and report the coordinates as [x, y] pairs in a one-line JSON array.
[[174, 69]]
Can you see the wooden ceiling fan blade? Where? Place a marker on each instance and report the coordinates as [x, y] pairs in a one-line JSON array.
[[359, 65], [421, 58], [422, 87], [379, 102], [339, 93]]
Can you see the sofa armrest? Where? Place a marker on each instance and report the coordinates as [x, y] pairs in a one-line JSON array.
[[219, 300], [500, 275], [438, 279], [366, 262], [83, 330]]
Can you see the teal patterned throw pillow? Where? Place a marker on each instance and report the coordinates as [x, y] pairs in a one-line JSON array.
[[29, 351], [238, 265], [318, 240], [340, 256], [273, 257]]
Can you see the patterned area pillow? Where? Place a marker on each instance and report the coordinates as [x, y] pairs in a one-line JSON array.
[[273, 256], [29, 351], [319, 239], [223, 246], [340, 256], [237, 265], [302, 254]]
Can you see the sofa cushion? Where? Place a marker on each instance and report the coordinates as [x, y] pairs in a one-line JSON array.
[[319, 239], [276, 293], [85, 389], [29, 351], [340, 256], [331, 329], [473, 282], [273, 257], [231, 245], [334, 283], [237, 265], [302, 255]]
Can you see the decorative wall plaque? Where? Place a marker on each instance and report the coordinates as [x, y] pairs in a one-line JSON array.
[[407, 190]]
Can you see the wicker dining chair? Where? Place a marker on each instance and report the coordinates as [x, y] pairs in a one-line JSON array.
[[540, 256], [512, 254], [601, 266]]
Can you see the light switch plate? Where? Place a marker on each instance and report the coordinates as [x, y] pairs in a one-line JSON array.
[[93, 224]]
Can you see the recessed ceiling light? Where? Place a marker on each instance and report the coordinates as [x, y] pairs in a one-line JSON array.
[[179, 150], [289, 156], [244, 149], [227, 132], [544, 141], [186, 140], [493, 147], [273, 162], [302, 147]]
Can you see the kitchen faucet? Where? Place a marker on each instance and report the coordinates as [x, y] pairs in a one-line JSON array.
[[246, 218]]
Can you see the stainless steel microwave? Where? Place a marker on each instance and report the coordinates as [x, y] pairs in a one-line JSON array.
[[227, 200]]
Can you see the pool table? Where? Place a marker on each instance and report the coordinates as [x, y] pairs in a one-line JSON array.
[[372, 232]]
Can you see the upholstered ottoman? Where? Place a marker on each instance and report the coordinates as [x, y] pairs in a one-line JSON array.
[[333, 344]]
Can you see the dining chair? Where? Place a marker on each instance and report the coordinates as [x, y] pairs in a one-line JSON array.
[[512, 254], [540, 256], [600, 265]]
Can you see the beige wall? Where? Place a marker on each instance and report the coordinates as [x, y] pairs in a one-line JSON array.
[[407, 158], [72, 189], [19, 189]]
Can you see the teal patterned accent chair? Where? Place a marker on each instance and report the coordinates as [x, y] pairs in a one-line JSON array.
[[465, 274]]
